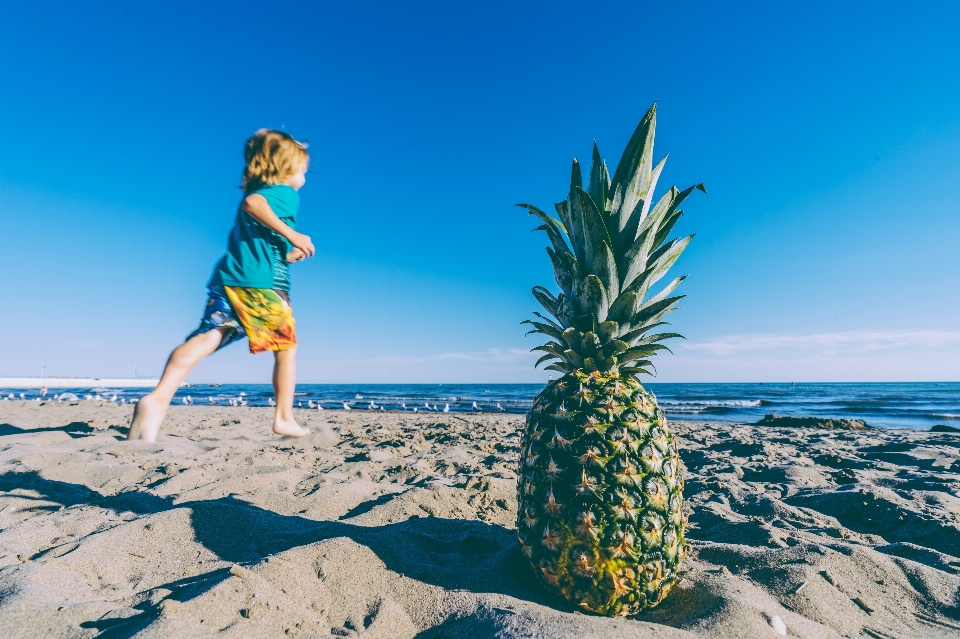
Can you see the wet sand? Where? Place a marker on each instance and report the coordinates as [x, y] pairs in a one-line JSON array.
[[400, 525]]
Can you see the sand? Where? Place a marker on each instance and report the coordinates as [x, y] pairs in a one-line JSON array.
[[390, 525]]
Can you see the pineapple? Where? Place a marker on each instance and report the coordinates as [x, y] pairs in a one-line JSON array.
[[600, 488]]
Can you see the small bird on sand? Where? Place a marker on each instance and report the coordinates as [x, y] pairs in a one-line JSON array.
[[270, 401], [446, 408], [499, 407], [346, 406]]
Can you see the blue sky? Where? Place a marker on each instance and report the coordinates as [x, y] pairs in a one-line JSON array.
[[828, 135]]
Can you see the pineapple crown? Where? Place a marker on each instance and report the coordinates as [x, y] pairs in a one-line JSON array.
[[608, 248]]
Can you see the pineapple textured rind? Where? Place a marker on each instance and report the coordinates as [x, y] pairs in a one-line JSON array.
[[600, 494]]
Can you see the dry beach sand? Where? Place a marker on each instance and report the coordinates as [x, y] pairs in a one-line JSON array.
[[401, 525]]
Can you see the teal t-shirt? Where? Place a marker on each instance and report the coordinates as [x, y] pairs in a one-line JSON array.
[[256, 256]]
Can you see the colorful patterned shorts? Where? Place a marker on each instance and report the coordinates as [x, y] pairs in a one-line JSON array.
[[263, 315]]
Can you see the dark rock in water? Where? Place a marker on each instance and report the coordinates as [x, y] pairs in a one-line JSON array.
[[813, 422], [942, 428]]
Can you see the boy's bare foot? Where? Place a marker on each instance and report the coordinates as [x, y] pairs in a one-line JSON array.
[[289, 428], [148, 414]]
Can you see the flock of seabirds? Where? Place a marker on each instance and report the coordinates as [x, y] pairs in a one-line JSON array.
[[241, 400]]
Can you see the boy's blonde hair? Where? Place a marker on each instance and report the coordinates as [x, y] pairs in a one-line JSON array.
[[272, 158]]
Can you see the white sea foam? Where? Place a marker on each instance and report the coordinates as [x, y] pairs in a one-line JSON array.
[[731, 403]]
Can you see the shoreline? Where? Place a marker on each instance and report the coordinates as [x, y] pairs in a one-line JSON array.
[[401, 524], [910, 405]]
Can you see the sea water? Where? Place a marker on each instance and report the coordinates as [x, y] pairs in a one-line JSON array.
[[884, 405]]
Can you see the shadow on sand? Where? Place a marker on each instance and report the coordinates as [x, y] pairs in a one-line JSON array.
[[453, 554], [73, 429]]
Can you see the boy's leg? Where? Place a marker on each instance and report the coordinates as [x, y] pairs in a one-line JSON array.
[[284, 382], [151, 409]]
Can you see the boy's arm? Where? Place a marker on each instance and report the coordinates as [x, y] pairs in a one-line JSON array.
[[256, 207]]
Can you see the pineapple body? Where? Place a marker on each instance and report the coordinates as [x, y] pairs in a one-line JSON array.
[[601, 493]]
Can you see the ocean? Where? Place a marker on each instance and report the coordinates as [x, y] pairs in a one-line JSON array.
[[884, 405]]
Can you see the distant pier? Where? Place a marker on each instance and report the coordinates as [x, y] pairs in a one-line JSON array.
[[75, 382]]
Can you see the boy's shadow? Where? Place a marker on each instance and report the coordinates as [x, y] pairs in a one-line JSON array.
[[73, 429]]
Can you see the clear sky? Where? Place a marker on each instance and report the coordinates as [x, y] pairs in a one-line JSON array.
[[828, 135]]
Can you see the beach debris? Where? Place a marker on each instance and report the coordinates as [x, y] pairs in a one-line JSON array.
[[772, 419], [943, 428], [239, 571], [779, 626], [799, 588]]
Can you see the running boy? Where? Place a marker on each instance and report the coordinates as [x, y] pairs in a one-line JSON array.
[[249, 288]]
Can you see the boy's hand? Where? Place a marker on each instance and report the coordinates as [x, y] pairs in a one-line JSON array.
[[296, 255], [302, 242]]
